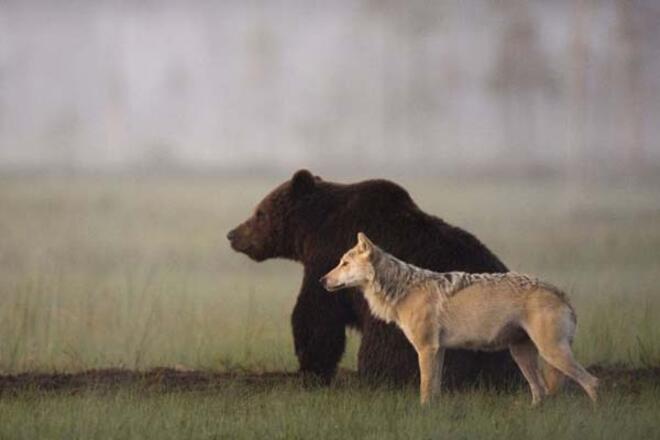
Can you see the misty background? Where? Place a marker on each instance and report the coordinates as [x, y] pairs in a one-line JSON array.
[[508, 86]]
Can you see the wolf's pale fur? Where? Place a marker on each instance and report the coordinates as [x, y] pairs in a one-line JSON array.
[[461, 310]]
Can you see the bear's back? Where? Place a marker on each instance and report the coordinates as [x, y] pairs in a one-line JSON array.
[[387, 213]]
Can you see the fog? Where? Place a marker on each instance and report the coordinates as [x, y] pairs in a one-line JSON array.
[[556, 86]]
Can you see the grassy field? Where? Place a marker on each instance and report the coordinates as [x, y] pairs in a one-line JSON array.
[[136, 273]]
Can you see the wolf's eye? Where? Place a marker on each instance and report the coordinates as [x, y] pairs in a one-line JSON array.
[[260, 215], [344, 263]]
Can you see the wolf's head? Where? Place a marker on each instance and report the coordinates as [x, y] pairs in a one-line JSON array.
[[355, 269]]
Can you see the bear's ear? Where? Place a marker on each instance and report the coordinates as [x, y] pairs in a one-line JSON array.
[[302, 182], [364, 244]]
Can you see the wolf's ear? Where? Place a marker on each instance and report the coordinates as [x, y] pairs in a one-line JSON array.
[[302, 182], [364, 244]]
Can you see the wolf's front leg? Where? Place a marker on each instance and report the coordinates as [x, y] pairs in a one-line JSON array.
[[427, 370], [437, 376]]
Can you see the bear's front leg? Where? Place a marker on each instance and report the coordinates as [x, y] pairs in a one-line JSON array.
[[385, 355], [319, 331]]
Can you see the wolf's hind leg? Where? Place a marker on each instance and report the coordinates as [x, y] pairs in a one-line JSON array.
[[552, 333], [553, 378], [526, 355], [561, 357]]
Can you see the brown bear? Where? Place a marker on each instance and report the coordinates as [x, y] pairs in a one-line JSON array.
[[314, 222]]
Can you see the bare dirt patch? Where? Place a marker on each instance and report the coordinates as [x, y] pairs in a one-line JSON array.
[[172, 380], [157, 379], [628, 379]]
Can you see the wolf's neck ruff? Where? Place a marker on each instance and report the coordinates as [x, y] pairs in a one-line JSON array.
[[392, 277]]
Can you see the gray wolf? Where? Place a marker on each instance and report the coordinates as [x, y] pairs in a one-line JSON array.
[[436, 311]]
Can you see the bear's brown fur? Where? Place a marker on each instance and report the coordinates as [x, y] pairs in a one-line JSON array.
[[314, 222]]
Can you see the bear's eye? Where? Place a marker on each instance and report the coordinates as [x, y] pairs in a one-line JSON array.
[[261, 215], [344, 263]]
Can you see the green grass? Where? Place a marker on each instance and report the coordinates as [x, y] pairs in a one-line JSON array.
[[136, 273], [340, 412]]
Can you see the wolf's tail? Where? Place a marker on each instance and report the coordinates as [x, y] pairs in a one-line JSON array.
[[554, 379]]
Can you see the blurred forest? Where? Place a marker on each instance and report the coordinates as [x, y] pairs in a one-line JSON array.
[[567, 87]]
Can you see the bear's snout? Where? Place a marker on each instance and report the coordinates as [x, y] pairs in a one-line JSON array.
[[237, 240], [242, 239]]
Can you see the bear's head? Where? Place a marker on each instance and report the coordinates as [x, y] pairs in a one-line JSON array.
[[271, 231]]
